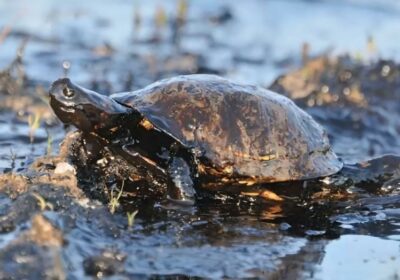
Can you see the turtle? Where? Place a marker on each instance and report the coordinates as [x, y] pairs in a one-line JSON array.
[[202, 131]]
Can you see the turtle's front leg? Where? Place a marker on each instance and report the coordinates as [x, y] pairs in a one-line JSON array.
[[181, 190]]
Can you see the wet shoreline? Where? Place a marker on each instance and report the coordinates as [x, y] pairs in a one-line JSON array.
[[54, 227]]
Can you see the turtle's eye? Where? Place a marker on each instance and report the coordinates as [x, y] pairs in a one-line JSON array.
[[68, 93]]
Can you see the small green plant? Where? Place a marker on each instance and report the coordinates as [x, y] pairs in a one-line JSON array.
[[34, 123], [131, 218], [358, 57], [114, 200], [49, 148], [137, 20], [43, 204], [42, 94], [13, 158], [305, 52], [160, 17], [182, 8], [371, 45]]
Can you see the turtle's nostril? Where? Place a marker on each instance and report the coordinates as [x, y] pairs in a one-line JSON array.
[[68, 93]]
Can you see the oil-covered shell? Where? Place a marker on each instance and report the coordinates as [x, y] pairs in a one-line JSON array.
[[241, 129]]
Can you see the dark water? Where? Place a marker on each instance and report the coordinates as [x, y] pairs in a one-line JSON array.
[[355, 237]]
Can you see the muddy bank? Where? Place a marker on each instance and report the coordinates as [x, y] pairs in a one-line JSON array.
[[357, 103], [60, 230], [53, 211]]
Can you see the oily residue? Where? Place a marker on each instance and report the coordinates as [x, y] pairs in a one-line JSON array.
[[238, 125], [56, 225], [356, 103]]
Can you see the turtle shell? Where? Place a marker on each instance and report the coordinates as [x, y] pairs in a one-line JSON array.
[[240, 129]]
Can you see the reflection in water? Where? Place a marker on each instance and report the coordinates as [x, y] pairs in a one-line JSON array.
[[366, 257]]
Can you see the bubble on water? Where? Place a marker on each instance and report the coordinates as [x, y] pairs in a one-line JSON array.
[[284, 226]]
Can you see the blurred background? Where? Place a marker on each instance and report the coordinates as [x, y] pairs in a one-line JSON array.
[[251, 41]]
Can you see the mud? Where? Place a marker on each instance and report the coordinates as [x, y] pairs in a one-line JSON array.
[[55, 225], [358, 104]]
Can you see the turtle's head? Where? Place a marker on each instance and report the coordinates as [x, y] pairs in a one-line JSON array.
[[87, 110]]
